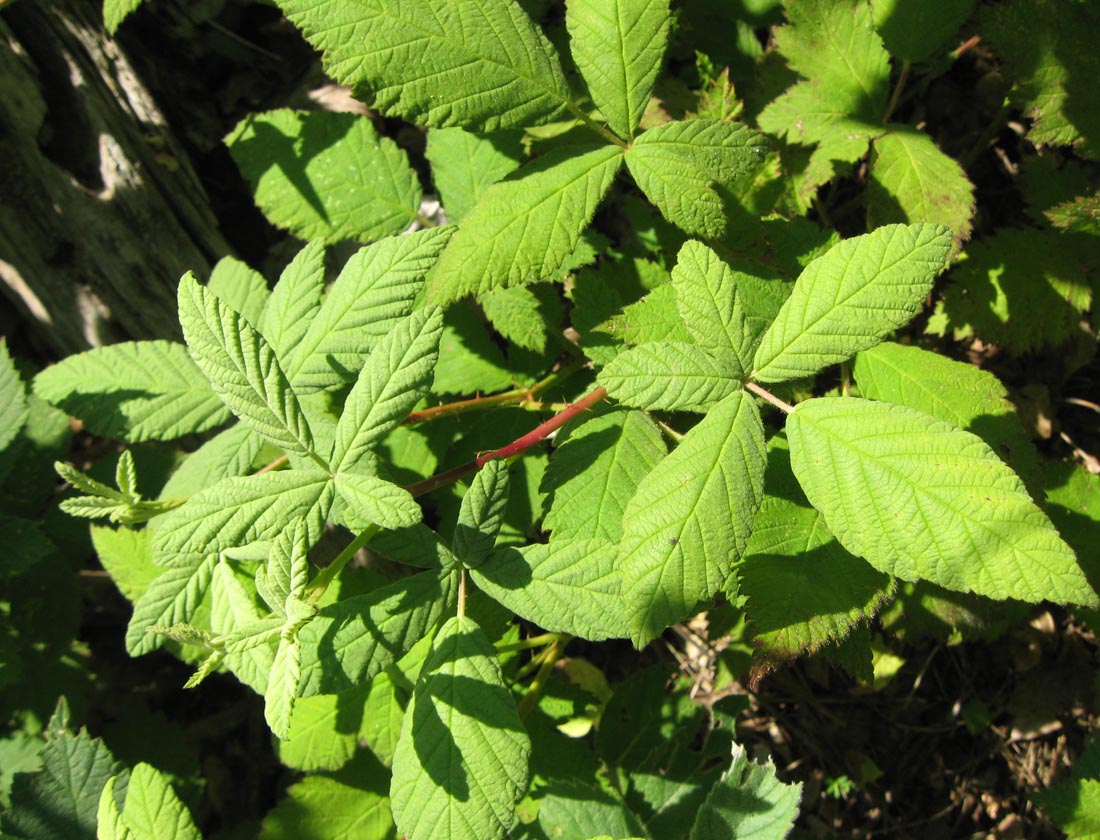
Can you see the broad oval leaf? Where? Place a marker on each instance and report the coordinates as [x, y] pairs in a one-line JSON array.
[[670, 376], [242, 367], [461, 760], [921, 499], [564, 586], [325, 175], [482, 66], [851, 298], [618, 45], [691, 518], [525, 226], [134, 391]]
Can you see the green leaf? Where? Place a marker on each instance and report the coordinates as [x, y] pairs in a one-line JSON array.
[[709, 300], [653, 318], [564, 586], [241, 287], [135, 391], [619, 47], [1080, 215], [748, 802], [127, 555], [438, 62], [840, 105], [325, 175], [964, 395], [13, 398], [241, 510], [418, 546], [287, 569], [375, 289], [464, 165], [61, 800], [397, 375], [152, 810], [921, 499], [852, 298], [295, 300], [470, 361], [242, 367], [116, 11], [1073, 502], [109, 822], [691, 517], [593, 474], [690, 168], [804, 589], [235, 614], [670, 376], [461, 761], [350, 805], [911, 180], [173, 597], [323, 729], [1047, 49], [282, 687], [515, 314], [914, 31], [373, 501], [351, 641], [481, 514], [1073, 806], [570, 808], [229, 453], [525, 226]]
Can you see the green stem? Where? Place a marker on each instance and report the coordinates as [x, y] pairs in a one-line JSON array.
[[896, 95], [424, 221], [533, 642], [605, 133], [328, 574], [768, 396], [549, 658]]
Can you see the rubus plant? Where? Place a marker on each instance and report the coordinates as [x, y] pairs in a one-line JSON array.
[[729, 418]]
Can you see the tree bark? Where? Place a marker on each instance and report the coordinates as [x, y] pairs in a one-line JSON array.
[[101, 211]]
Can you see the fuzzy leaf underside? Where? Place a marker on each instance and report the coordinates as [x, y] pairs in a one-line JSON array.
[[564, 586], [688, 169], [325, 175], [852, 298], [375, 289], [670, 376], [691, 517], [242, 368], [461, 760], [618, 46], [134, 391], [481, 66], [921, 499], [592, 476], [525, 226]]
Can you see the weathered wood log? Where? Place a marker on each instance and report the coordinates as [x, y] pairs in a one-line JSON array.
[[100, 208]]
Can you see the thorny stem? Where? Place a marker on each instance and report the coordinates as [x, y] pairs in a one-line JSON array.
[[768, 396], [606, 134], [519, 396], [896, 95], [516, 447]]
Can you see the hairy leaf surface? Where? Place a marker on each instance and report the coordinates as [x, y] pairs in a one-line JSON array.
[[373, 501], [852, 298], [482, 66], [564, 586], [670, 376], [134, 391], [525, 226], [691, 518], [922, 500], [295, 300], [618, 46], [461, 761], [748, 801]]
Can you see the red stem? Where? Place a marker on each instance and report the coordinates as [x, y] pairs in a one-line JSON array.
[[519, 445]]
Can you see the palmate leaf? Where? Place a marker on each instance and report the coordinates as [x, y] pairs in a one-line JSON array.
[[325, 175], [691, 518], [690, 168], [397, 375], [461, 761], [482, 66], [922, 500], [375, 289], [295, 300], [564, 586], [670, 376], [134, 391], [852, 298], [525, 226], [592, 476], [911, 180], [464, 165], [242, 368], [618, 46]]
